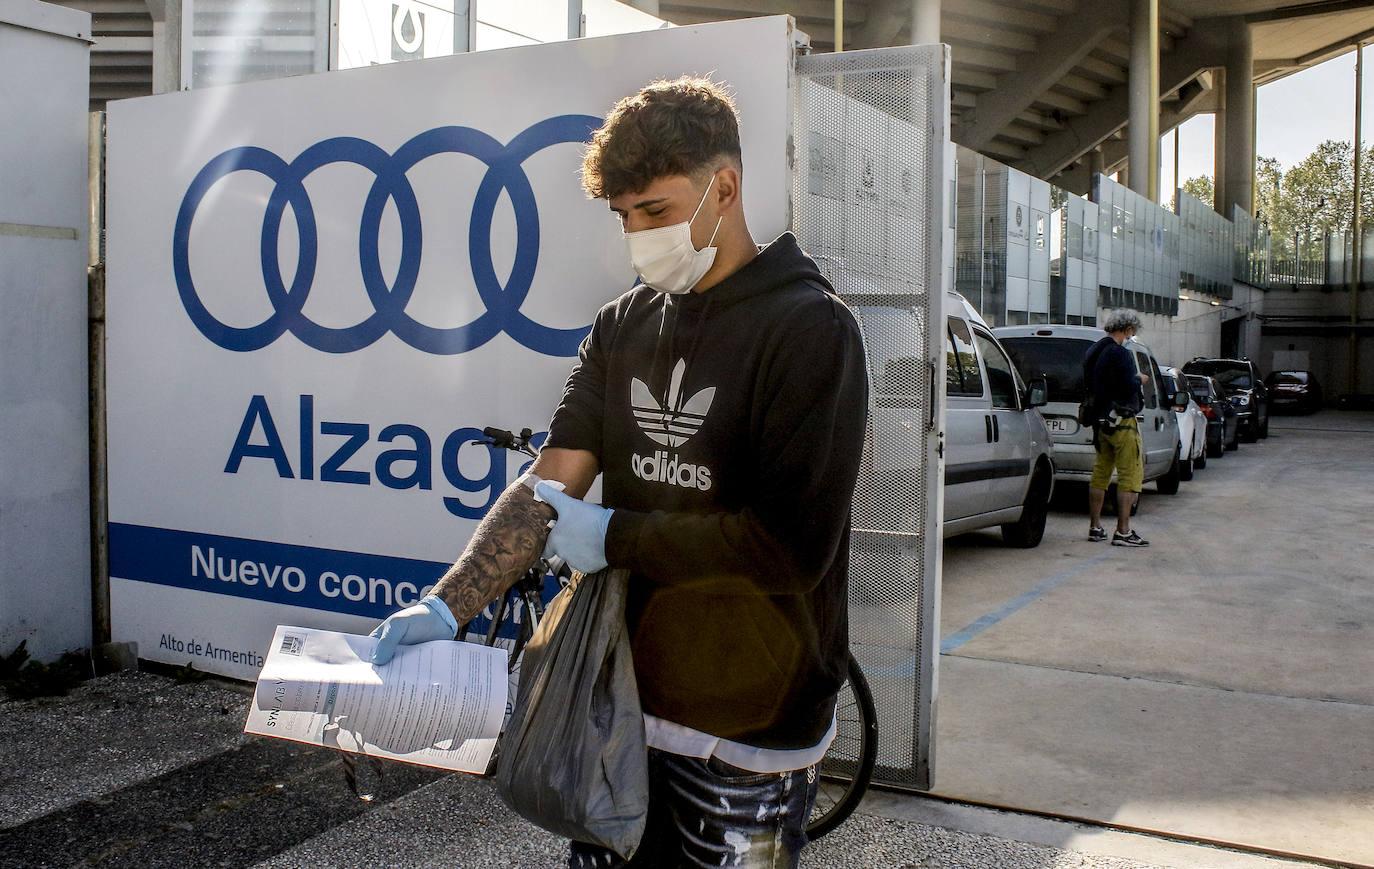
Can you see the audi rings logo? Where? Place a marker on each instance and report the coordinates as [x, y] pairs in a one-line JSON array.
[[502, 302]]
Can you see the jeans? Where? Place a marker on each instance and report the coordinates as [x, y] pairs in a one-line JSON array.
[[707, 813]]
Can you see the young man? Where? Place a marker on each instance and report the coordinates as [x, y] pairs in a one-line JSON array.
[[725, 401], [1115, 387]]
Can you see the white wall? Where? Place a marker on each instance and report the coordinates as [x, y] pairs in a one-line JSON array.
[[45, 574]]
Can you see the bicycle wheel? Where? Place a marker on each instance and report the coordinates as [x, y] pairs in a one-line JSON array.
[[848, 764]]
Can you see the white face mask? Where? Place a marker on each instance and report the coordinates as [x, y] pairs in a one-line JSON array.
[[665, 258]]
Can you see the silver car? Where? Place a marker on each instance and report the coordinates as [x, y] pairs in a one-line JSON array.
[[1192, 427]]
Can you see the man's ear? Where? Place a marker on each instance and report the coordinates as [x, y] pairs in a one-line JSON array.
[[727, 189]]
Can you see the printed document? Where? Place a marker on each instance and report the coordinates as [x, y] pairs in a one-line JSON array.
[[438, 704]]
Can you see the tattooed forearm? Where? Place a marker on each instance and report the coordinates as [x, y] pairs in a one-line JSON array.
[[507, 541]]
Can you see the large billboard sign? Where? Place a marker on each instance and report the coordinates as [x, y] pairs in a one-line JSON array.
[[322, 288]]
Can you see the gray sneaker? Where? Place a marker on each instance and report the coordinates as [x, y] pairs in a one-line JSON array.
[[1132, 539], [1096, 534]]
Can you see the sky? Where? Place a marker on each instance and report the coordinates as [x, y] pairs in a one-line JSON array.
[[1293, 116]]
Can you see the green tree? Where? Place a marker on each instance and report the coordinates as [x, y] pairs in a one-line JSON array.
[[1268, 190], [1202, 188], [1316, 197]]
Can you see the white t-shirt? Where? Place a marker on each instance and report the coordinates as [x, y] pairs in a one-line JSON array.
[[679, 739]]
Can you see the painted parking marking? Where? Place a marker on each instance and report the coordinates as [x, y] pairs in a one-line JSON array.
[[971, 631]]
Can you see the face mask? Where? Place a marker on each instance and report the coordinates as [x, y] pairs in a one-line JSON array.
[[665, 258]]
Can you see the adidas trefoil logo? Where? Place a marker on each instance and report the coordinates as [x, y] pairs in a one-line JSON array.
[[673, 421]]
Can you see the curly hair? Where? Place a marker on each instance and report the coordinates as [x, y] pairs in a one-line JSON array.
[[1121, 320], [680, 127]]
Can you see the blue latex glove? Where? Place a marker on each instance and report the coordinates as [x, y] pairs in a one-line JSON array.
[[430, 619], [579, 535]]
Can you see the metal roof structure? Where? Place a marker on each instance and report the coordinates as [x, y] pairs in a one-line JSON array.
[[1037, 84], [1040, 83]]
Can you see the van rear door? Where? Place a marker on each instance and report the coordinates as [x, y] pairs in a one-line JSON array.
[[968, 423], [1009, 470], [1158, 427]]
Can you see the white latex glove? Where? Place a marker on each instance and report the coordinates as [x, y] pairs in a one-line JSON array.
[[428, 620], [579, 535]]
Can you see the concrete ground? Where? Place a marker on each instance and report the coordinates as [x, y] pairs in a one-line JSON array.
[[1214, 686], [142, 770], [1217, 685]]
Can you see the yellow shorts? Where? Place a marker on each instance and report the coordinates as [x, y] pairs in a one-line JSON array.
[[1119, 451]]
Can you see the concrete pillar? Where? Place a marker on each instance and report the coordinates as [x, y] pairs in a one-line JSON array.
[[925, 22], [1219, 160], [1095, 164], [1144, 98], [1238, 188]]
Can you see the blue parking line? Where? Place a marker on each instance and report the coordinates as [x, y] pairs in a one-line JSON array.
[[955, 640]]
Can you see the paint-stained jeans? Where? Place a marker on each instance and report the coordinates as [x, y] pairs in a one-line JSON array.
[[707, 813]]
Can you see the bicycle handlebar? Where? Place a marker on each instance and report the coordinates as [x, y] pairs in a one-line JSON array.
[[499, 437]]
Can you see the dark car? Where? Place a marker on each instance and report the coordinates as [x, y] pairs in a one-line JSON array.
[[1296, 391], [1223, 429], [1240, 380]]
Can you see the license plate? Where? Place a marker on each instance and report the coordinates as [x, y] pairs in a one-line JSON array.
[[1058, 425]]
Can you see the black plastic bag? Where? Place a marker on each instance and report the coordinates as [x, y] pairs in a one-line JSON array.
[[573, 758]]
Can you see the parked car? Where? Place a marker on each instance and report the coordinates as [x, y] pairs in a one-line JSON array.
[[1056, 353], [1297, 391], [1241, 381], [1223, 428], [999, 464], [1192, 425]]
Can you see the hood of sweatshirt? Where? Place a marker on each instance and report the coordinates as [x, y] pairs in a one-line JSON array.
[[780, 263]]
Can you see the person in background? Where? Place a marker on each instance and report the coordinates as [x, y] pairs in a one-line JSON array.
[[724, 402], [1115, 387]]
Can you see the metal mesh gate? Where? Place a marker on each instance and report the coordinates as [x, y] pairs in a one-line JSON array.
[[871, 182]]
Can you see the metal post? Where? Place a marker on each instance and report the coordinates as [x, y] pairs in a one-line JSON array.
[[95, 334], [464, 26], [1357, 243], [576, 20], [1174, 195], [332, 61], [169, 44], [839, 25], [925, 22], [1144, 98]]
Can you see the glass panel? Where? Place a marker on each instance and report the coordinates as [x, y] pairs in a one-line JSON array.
[[1143, 365], [961, 365], [373, 32], [1001, 377], [1058, 360], [1163, 389], [251, 40]]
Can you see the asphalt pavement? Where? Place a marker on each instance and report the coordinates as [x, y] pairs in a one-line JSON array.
[[138, 769], [1114, 719]]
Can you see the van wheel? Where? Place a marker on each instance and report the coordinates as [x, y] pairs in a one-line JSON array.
[[1168, 484], [1029, 530], [1185, 469], [1201, 461]]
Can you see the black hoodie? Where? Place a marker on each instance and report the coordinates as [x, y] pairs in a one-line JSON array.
[[728, 425]]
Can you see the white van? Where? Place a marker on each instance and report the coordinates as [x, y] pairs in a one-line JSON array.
[[1056, 354], [999, 464]]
